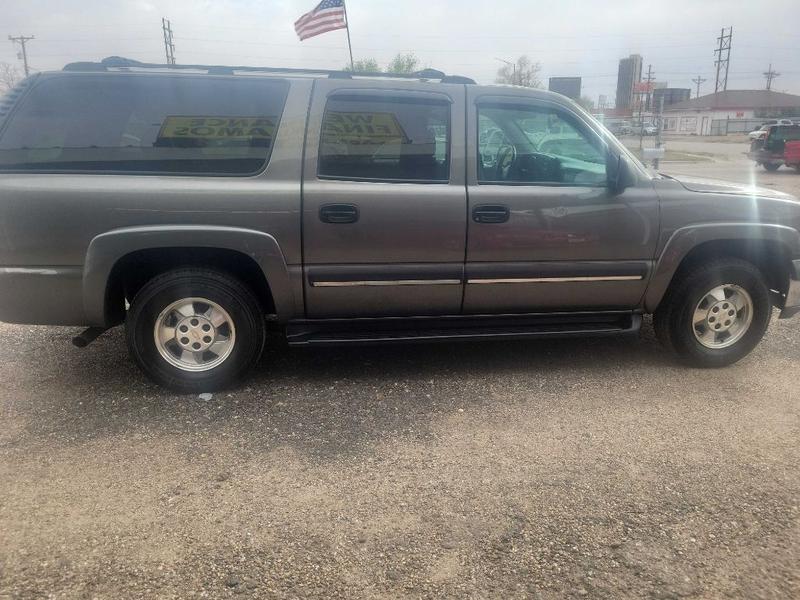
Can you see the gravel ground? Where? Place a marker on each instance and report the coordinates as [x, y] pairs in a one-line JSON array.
[[550, 469]]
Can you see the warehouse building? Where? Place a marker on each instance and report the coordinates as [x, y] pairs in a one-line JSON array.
[[729, 112]]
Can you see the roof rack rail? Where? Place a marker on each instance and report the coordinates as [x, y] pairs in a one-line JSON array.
[[119, 62]]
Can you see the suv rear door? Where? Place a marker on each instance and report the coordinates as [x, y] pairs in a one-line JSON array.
[[384, 199], [545, 231]]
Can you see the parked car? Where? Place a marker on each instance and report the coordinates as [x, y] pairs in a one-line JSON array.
[[650, 129], [619, 128], [769, 151], [762, 131], [203, 206]]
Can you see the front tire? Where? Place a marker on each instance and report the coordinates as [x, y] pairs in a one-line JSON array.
[[715, 314], [195, 330], [771, 167]]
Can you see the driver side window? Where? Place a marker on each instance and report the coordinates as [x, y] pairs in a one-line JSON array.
[[537, 145]]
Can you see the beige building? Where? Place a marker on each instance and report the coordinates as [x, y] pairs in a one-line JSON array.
[[731, 111]]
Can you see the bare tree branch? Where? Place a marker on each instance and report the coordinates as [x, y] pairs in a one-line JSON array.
[[523, 72], [9, 77]]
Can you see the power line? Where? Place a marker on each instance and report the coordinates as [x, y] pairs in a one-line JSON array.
[[22, 40], [770, 75], [723, 61], [697, 81], [169, 45]]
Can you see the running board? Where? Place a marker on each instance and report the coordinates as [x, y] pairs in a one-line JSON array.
[[320, 332]]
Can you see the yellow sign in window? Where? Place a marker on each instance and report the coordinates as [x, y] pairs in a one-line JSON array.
[[362, 128], [252, 129]]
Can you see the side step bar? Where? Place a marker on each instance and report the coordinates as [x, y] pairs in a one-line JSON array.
[[321, 332]]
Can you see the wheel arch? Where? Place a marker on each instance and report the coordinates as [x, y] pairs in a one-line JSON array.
[[770, 247], [111, 257]]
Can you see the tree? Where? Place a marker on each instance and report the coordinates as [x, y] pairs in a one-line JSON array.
[[403, 64], [523, 72], [364, 65], [9, 77], [586, 103]]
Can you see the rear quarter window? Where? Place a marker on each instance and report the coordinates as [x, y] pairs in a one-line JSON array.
[[145, 124], [384, 138]]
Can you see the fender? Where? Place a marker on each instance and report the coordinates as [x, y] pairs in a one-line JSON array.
[[107, 248], [683, 240]]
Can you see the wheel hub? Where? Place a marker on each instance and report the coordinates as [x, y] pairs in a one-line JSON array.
[[195, 334], [722, 316]]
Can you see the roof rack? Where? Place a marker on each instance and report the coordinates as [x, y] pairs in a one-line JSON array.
[[114, 63]]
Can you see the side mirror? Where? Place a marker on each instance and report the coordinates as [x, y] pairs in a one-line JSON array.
[[618, 173]]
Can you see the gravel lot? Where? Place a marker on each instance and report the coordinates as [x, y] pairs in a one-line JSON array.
[[549, 469]]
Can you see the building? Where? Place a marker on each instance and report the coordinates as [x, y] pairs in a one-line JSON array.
[[628, 75], [643, 93], [730, 111], [670, 95], [568, 86]]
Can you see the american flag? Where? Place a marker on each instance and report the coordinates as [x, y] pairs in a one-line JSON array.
[[327, 16]]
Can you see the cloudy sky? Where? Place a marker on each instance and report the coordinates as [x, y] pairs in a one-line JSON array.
[[568, 37]]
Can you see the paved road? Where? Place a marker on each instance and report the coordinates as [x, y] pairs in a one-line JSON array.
[[558, 469], [728, 161]]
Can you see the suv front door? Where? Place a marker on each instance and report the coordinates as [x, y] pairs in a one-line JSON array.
[[545, 231], [384, 200]]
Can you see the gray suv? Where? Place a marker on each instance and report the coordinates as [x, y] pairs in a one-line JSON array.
[[202, 206]]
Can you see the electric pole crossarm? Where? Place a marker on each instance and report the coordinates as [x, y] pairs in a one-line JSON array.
[[770, 75], [22, 40], [697, 81]]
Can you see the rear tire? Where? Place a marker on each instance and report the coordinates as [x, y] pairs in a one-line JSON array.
[[195, 330], [772, 166], [686, 319]]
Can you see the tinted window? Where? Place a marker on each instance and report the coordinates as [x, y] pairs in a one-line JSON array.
[[780, 134], [537, 145], [11, 96], [144, 124], [385, 138]]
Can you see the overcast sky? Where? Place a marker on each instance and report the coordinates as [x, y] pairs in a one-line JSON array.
[[568, 37]]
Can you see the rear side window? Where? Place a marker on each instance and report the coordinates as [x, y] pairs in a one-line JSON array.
[[386, 139], [144, 124]]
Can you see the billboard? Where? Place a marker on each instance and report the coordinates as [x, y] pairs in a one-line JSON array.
[[568, 86]]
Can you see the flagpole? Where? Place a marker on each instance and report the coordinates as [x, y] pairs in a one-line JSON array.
[[349, 45]]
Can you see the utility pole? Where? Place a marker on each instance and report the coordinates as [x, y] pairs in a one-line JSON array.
[[648, 82], [169, 46], [723, 61], [513, 69], [770, 75], [660, 127], [22, 40], [697, 81]]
